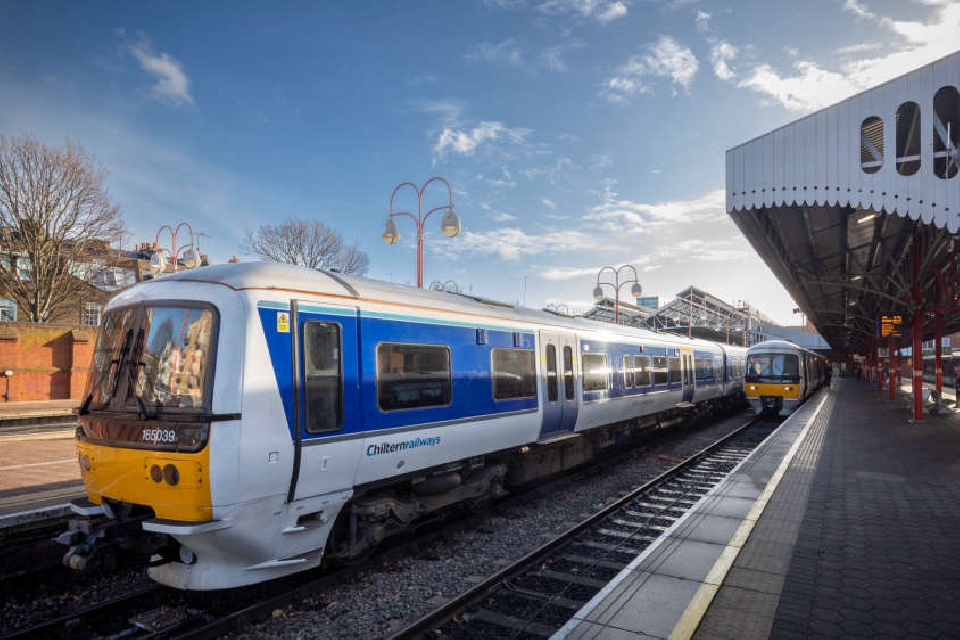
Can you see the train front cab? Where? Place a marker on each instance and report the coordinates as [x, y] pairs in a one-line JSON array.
[[774, 383]]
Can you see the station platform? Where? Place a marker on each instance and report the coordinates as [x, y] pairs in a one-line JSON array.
[[38, 473], [845, 522]]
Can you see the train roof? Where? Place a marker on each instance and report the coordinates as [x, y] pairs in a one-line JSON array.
[[294, 279], [785, 345]]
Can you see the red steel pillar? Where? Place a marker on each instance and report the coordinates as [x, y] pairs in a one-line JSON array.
[[917, 365], [917, 385], [893, 389], [938, 368]]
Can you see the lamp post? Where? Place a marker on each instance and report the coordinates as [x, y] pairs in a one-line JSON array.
[[191, 257], [636, 290], [449, 225]]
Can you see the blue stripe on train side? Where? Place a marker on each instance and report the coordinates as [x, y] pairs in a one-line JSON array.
[[472, 392]]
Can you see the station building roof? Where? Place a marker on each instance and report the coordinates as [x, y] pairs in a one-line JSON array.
[[856, 208]]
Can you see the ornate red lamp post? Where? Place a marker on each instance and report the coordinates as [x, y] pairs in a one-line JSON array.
[[636, 290]]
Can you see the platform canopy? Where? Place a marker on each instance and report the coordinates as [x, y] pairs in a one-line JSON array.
[[856, 208]]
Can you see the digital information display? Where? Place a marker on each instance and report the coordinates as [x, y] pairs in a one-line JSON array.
[[889, 325]]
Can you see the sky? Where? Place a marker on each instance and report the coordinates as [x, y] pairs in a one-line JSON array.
[[575, 134]]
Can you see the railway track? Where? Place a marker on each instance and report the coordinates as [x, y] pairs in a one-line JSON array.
[[537, 595], [161, 612]]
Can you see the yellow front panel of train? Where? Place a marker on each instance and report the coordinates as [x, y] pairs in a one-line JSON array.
[[778, 389], [175, 485]]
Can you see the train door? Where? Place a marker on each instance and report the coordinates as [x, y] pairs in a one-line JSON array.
[[326, 385], [558, 389], [688, 374]]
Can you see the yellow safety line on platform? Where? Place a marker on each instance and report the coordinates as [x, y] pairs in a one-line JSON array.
[[697, 608], [39, 496], [63, 434], [37, 464]]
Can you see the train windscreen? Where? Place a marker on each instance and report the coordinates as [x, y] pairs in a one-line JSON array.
[[773, 367], [149, 357]]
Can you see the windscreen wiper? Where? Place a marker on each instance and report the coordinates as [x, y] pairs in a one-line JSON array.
[[118, 363]]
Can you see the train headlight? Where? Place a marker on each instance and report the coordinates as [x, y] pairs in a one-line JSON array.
[[156, 473], [753, 387], [171, 474], [85, 462], [788, 388]]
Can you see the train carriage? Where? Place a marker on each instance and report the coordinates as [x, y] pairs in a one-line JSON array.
[[244, 422], [780, 376]]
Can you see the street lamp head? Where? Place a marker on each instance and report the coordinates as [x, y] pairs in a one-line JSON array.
[[597, 293], [390, 233], [191, 258], [450, 225], [636, 290], [157, 263]]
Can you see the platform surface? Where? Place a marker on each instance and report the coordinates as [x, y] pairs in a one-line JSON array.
[[846, 522]]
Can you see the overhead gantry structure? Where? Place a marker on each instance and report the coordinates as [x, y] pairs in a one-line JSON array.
[[856, 209]]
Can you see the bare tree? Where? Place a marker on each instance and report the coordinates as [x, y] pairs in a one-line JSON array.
[[308, 243], [54, 217]]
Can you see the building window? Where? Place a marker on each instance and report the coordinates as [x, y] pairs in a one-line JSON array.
[[514, 374], [8, 310], [871, 144], [411, 376], [908, 138], [91, 313], [946, 122], [594, 372]]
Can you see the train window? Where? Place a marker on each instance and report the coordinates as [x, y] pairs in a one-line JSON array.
[[627, 372], [551, 373], [410, 376], [594, 372], [908, 138], [946, 122], [641, 371], [322, 377], [675, 370], [175, 363], [568, 378], [514, 374], [659, 370], [871, 144]]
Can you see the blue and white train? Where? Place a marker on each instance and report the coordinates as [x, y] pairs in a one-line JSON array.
[[243, 422]]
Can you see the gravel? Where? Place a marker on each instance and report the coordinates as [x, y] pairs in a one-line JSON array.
[[399, 592]]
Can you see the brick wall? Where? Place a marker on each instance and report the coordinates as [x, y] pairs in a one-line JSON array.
[[47, 361]]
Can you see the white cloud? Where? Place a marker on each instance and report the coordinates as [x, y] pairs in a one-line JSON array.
[[502, 216], [552, 58], [702, 20], [466, 141], [510, 243], [599, 10], [721, 54], [614, 11], [172, 82], [549, 204], [625, 216], [665, 59], [600, 161], [507, 52], [449, 109], [811, 87]]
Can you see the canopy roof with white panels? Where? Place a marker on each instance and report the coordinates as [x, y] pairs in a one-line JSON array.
[[856, 208]]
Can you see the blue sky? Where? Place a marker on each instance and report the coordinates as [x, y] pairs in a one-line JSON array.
[[575, 133]]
